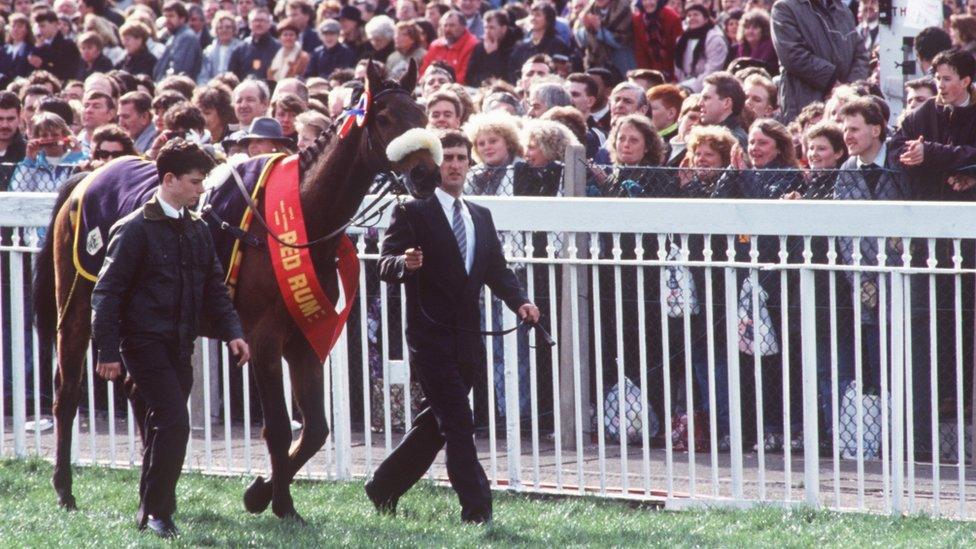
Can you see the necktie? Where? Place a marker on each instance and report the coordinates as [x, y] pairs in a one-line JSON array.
[[459, 234], [872, 174]]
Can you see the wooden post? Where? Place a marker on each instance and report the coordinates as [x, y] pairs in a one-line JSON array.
[[574, 353]]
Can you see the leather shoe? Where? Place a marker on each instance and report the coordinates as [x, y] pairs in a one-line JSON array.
[[162, 527], [383, 506]]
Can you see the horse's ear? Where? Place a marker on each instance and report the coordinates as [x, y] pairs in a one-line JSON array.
[[409, 79], [374, 79]]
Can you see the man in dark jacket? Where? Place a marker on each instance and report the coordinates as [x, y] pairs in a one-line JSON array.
[[254, 56], [722, 101], [13, 146], [444, 249], [818, 47], [332, 54], [159, 280], [55, 53]]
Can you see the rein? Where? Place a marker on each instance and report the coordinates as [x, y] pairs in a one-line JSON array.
[[389, 184]]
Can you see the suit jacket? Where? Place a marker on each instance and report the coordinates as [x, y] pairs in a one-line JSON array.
[[183, 55], [253, 57], [143, 62], [442, 287], [13, 62]]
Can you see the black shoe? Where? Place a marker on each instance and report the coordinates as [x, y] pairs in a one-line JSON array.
[[162, 527], [383, 506]]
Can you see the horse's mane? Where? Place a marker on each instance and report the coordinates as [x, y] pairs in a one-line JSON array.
[[322, 147]]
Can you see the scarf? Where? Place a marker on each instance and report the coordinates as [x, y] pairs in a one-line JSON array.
[[283, 62], [699, 33], [652, 27]]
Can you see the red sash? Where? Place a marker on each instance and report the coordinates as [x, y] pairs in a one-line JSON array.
[[307, 303]]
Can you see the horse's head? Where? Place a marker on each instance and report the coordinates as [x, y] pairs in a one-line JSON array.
[[414, 153]]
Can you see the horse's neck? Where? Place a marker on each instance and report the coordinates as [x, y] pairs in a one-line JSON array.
[[333, 192]]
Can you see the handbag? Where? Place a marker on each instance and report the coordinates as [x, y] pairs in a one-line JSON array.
[[679, 281], [748, 328]]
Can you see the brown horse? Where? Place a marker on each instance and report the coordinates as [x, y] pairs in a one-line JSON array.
[[336, 175]]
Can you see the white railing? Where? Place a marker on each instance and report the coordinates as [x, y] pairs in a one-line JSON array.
[[620, 307]]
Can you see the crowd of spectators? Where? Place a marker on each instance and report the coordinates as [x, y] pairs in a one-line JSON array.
[[745, 98]]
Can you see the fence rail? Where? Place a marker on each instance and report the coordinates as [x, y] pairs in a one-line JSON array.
[[710, 352]]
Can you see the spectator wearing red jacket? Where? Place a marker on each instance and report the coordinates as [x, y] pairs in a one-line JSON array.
[[657, 28], [455, 48]]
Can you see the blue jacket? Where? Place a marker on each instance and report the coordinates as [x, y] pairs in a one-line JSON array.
[[324, 61], [253, 57], [13, 62], [182, 56]]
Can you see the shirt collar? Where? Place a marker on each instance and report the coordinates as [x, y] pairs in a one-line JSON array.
[[879, 159], [169, 210], [446, 200]]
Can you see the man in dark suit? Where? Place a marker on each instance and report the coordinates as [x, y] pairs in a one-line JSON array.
[[54, 53], [444, 249]]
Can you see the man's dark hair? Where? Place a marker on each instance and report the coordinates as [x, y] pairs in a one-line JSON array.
[[147, 82], [59, 107], [656, 78], [34, 90], [167, 99], [9, 100], [140, 100], [548, 11], [539, 58], [455, 138], [218, 98], [962, 62], [127, 82], [609, 78], [184, 117], [93, 94], [869, 110], [728, 87], [592, 88], [178, 8], [45, 78], [931, 41], [114, 134], [180, 157], [447, 96], [47, 15], [342, 75], [444, 66], [924, 82]]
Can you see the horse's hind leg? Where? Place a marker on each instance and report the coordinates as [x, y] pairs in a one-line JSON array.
[[72, 343]]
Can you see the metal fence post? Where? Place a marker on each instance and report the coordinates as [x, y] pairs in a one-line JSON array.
[[573, 352], [808, 329], [18, 364], [341, 424], [198, 416]]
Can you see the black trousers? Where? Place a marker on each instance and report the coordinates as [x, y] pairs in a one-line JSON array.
[[446, 421], [164, 381]]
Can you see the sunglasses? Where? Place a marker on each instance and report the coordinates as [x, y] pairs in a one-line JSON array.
[[103, 154]]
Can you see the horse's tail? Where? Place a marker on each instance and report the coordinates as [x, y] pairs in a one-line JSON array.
[[43, 291]]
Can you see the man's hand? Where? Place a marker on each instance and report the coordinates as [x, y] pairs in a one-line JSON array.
[[35, 61], [109, 370], [914, 153], [529, 313], [238, 347], [413, 259], [960, 183]]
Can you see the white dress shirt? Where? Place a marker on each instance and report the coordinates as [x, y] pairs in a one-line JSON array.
[[169, 210], [447, 205]]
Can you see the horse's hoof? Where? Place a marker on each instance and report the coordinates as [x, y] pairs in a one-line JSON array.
[[293, 516], [68, 503], [257, 496]]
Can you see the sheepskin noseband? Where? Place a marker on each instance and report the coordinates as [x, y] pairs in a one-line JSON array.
[[414, 140]]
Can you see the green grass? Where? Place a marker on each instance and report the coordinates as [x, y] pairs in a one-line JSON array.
[[338, 514]]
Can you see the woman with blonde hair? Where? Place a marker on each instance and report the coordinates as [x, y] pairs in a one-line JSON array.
[[138, 59], [496, 147], [108, 32], [540, 173]]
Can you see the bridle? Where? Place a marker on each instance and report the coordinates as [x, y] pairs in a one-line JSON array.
[[389, 182]]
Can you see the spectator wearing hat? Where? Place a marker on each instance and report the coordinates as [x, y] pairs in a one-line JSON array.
[[542, 39], [352, 23], [253, 57], [183, 54], [657, 28], [455, 48], [332, 54], [216, 57], [264, 136], [290, 60]]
